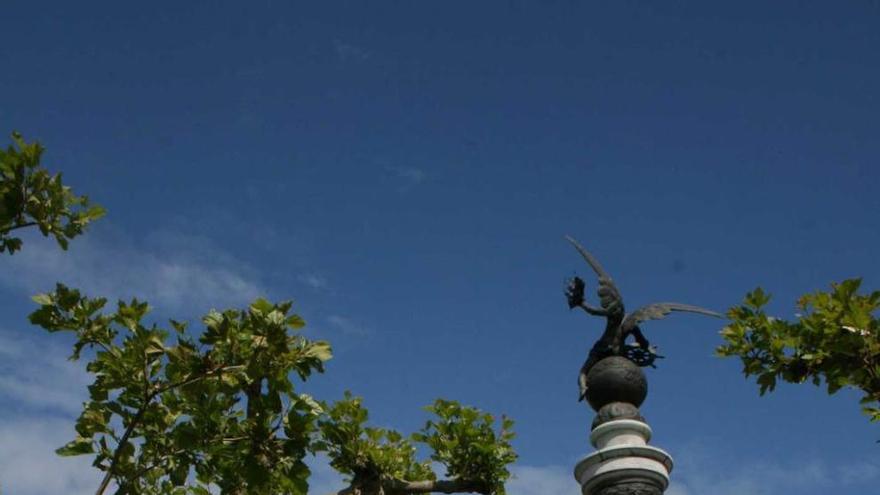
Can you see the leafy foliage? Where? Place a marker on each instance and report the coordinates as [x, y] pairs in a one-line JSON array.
[[174, 417], [30, 196], [177, 417], [464, 440], [365, 453], [836, 338], [377, 460]]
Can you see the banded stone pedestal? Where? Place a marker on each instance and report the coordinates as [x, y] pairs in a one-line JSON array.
[[624, 463]]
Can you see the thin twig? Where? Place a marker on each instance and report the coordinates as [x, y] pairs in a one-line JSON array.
[[17, 226]]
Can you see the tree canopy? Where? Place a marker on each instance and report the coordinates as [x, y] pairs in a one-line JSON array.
[[835, 339], [32, 197], [171, 413]]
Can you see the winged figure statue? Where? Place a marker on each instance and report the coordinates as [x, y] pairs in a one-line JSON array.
[[620, 324]]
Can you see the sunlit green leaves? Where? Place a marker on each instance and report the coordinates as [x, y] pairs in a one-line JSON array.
[[78, 446], [31, 197], [172, 413], [835, 340], [166, 415], [462, 438]]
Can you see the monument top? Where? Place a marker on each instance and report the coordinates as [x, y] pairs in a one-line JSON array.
[[619, 326]]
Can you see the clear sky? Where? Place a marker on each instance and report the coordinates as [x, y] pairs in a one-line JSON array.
[[406, 171]]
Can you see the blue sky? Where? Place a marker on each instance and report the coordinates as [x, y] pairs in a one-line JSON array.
[[406, 171]]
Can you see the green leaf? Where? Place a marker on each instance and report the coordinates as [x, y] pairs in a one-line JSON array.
[[320, 350], [42, 299], [79, 446], [261, 306], [179, 474]]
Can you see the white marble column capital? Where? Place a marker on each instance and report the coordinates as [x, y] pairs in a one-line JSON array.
[[623, 457]]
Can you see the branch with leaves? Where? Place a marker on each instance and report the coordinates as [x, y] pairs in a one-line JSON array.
[[379, 461], [835, 339], [31, 197]]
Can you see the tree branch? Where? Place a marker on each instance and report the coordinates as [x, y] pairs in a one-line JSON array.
[[401, 487], [17, 226], [146, 469], [139, 415], [191, 380], [435, 486], [122, 442]]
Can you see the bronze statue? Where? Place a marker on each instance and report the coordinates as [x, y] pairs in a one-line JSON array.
[[619, 325]]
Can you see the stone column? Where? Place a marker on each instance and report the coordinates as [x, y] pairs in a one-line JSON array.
[[624, 463]]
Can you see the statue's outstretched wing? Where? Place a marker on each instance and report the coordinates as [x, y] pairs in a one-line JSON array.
[[659, 310], [609, 296], [593, 262]]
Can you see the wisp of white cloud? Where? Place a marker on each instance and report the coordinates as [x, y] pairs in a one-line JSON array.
[[171, 271], [542, 480], [347, 52], [313, 280], [346, 325], [36, 374], [699, 473], [29, 466], [411, 176], [41, 393]]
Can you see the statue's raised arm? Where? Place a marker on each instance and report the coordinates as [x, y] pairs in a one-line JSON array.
[[609, 296]]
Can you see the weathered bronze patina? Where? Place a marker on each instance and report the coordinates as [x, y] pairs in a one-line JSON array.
[[616, 379]]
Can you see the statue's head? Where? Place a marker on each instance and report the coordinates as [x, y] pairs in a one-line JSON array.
[[609, 297]]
